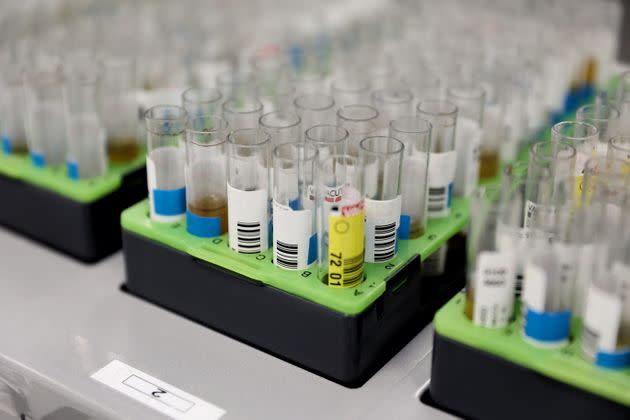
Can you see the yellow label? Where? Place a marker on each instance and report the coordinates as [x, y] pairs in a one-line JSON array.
[[346, 245]]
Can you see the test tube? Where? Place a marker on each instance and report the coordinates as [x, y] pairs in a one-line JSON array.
[[415, 133], [605, 118], [619, 148], [273, 86], [494, 135], [242, 113], [201, 101], [165, 162], [294, 210], [12, 107], [278, 97], [237, 85], [361, 121], [206, 172], [248, 190], [491, 275], [623, 97], [120, 108], [315, 109], [44, 120], [328, 140], [443, 118], [341, 227], [392, 103], [308, 83], [283, 127], [582, 136], [381, 163], [470, 102], [86, 151], [607, 179], [348, 90]]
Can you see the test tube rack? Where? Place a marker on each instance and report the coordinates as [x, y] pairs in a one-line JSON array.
[[494, 374], [345, 335], [78, 217]]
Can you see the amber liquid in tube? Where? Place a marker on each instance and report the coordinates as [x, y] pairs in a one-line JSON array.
[[416, 230], [122, 150], [488, 164], [211, 206], [469, 306]]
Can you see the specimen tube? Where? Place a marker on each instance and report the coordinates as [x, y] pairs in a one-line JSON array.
[[165, 162], [201, 101], [236, 85], [242, 113], [619, 148], [605, 118], [581, 135], [327, 139], [283, 127], [350, 91], [361, 121], [12, 131], [392, 103], [315, 109], [206, 172]]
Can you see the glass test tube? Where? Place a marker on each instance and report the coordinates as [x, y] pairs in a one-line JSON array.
[[392, 103], [361, 121], [294, 211], [120, 108], [283, 127], [327, 139], [273, 85], [605, 118], [315, 109], [12, 131], [443, 118], [350, 91], [341, 226], [622, 100], [608, 179], [202, 101], [236, 85], [44, 121], [86, 151], [381, 163], [491, 267], [308, 83], [206, 172], [165, 162], [242, 113], [581, 135], [415, 133], [470, 103], [619, 148], [248, 190]]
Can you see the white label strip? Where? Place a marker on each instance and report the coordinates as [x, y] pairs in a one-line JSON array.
[[382, 218], [535, 287], [292, 231], [441, 176], [601, 318], [248, 220], [157, 394], [494, 289]]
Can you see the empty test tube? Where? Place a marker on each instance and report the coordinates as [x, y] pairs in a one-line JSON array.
[[283, 127], [619, 148], [165, 162], [381, 163], [237, 85], [294, 206], [415, 133], [315, 109], [361, 121], [392, 103], [243, 112], [341, 227], [202, 101], [12, 132], [582, 136], [206, 171], [248, 190], [348, 90], [327, 139], [607, 120]]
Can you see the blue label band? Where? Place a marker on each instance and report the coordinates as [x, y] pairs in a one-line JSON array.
[[38, 159], [204, 227], [6, 145], [270, 234], [547, 326], [405, 226], [169, 202], [73, 170], [616, 360], [449, 201], [312, 249]]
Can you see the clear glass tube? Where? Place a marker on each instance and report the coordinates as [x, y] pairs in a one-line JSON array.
[[622, 100], [315, 109], [294, 210], [83, 104], [249, 159], [120, 108], [328, 140], [361, 121], [619, 148], [278, 98], [341, 225], [605, 118], [206, 176], [582, 136], [443, 159], [606, 181], [235, 85], [381, 159], [308, 83], [350, 91], [273, 85], [166, 125], [283, 127], [491, 275], [242, 113], [392, 103], [470, 106], [12, 132], [202, 101], [44, 122], [415, 133]]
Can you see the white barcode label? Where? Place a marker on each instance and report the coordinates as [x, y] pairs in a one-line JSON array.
[[292, 232], [248, 220], [528, 216], [534, 287], [601, 317], [467, 143], [441, 176], [382, 218], [583, 276], [566, 259], [494, 289]]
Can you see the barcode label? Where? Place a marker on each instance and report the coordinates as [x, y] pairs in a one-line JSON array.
[[441, 176], [248, 226], [602, 316], [494, 289], [438, 199], [295, 247], [353, 270], [286, 255], [382, 218]]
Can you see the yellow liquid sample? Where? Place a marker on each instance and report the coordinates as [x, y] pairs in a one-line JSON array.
[[469, 306], [416, 230], [211, 206], [488, 164], [122, 150]]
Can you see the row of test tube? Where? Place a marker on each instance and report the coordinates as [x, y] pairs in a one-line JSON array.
[[556, 231]]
